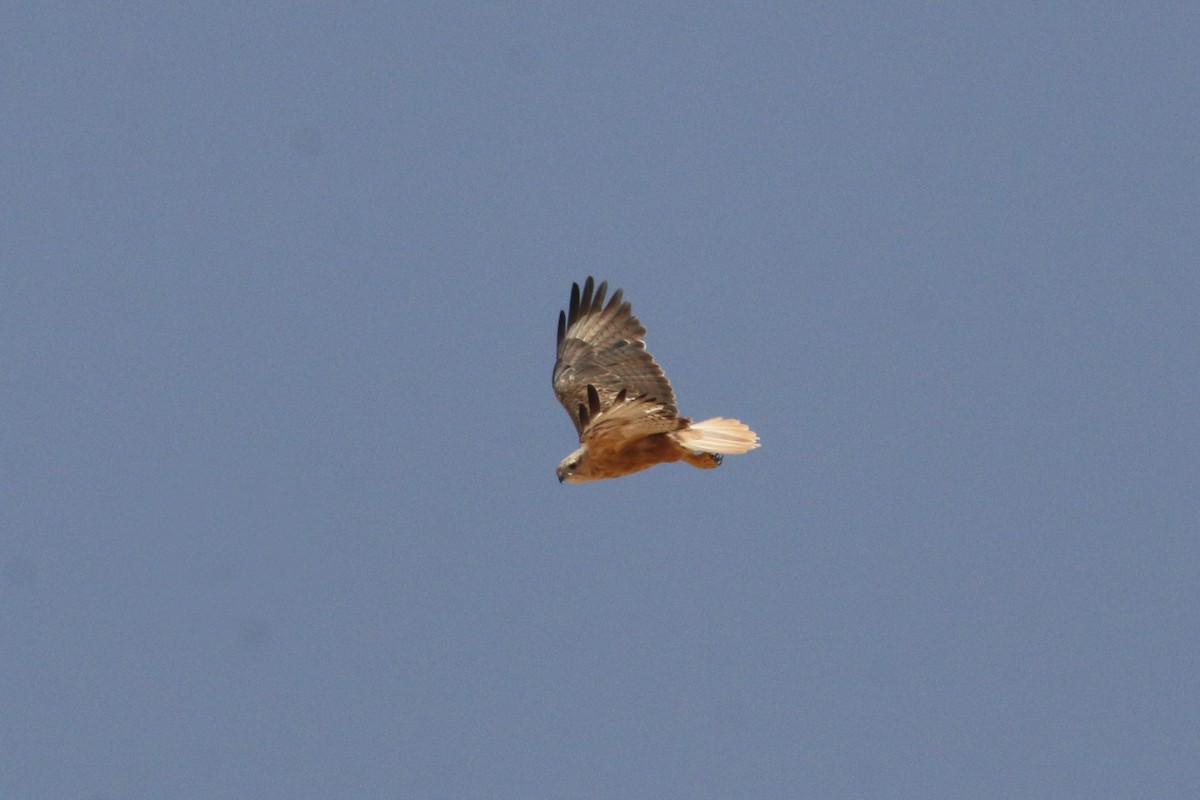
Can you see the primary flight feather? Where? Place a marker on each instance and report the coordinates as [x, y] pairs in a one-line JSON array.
[[620, 400]]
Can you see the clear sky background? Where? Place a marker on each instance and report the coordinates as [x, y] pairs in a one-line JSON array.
[[278, 514]]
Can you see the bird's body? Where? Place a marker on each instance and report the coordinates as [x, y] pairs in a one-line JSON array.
[[621, 402]]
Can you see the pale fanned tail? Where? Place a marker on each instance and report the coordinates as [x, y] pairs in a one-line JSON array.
[[717, 435]]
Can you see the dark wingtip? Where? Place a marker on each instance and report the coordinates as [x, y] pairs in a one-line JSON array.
[[562, 326], [573, 307], [598, 300], [614, 302], [585, 300], [589, 300], [593, 400]]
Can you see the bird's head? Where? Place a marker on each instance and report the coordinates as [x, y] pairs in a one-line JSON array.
[[574, 468]]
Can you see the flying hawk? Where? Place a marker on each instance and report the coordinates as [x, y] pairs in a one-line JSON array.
[[620, 400]]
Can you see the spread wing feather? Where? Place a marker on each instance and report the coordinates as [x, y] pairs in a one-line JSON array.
[[633, 419], [601, 352]]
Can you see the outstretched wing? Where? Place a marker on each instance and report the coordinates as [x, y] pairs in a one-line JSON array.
[[624, 418], [600, 347]]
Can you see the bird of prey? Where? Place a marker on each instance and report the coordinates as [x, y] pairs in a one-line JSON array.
[[620, 400]]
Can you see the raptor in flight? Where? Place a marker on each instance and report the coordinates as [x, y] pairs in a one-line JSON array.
[[620, 400]]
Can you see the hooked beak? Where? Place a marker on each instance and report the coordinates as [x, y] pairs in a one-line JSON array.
[[558, 472]]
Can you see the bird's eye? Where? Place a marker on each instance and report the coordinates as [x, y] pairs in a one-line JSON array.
[[572, 465]]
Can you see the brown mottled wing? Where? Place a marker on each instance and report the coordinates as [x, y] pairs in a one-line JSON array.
[[600, 345], [624, 419]]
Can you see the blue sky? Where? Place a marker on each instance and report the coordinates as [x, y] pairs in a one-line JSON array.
[[278, 513]]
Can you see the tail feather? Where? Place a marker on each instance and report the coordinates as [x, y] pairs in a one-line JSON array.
[[717, 435]]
